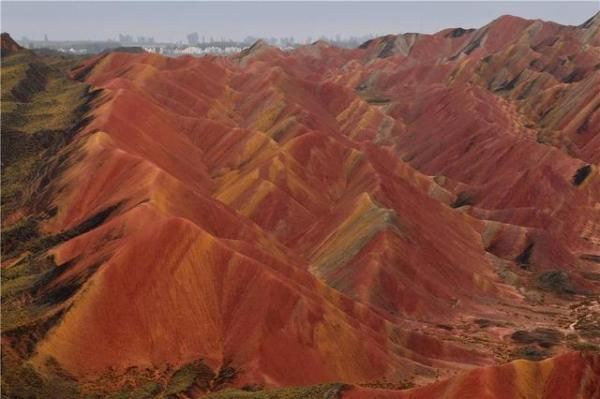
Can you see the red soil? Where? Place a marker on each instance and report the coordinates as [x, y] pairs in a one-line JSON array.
[[571, 375], [315, 215]]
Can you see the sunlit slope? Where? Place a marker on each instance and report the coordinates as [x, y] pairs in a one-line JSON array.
[[240, 238], [566, 376]]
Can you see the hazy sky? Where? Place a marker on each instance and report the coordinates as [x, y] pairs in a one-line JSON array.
[[171, 21]]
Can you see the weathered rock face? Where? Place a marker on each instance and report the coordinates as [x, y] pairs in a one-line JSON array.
[[330, 215]]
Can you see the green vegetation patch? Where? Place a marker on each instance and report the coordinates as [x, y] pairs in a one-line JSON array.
[[556, 281], [183, 379], [20, 380], [585, 347], [149, 389], [544, 337], [530, 353], [324, 391]]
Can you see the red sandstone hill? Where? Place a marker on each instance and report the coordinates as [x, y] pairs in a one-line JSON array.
[[405, 211]]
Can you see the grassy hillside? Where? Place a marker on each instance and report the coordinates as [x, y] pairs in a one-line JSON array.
[[41, 110], [40, 106]]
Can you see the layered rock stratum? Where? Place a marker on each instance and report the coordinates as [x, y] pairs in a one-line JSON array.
[[418, 217]]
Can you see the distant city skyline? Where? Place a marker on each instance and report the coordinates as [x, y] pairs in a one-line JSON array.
[[173, 21]]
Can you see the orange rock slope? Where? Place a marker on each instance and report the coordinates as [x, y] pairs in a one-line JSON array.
[[337, 215], [552, 378]]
